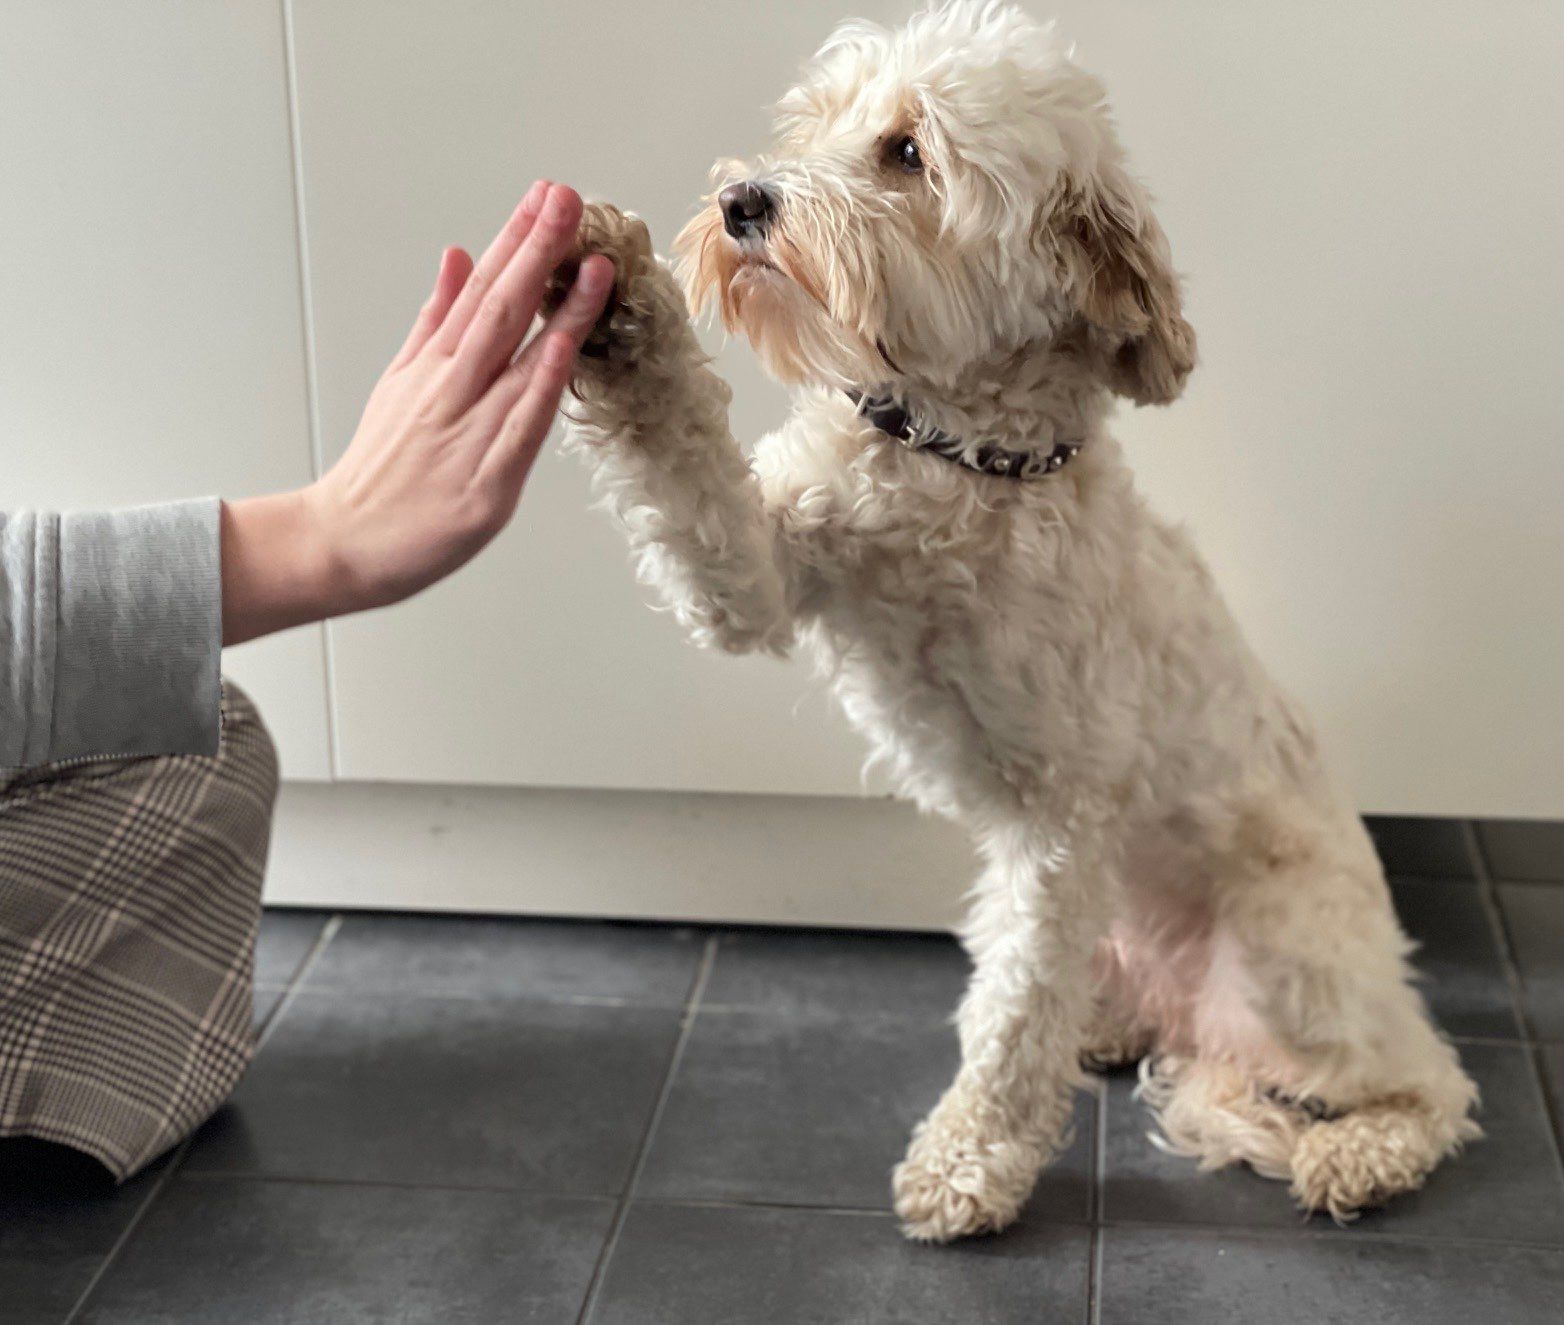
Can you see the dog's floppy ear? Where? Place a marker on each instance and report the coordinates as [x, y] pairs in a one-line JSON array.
[[1120, 273]]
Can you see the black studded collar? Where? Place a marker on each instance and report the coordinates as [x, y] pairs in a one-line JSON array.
[[895, 421]]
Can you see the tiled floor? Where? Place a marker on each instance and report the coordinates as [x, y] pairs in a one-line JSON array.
[[457, 1120]]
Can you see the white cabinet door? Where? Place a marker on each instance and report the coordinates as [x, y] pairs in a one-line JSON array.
[[1367, 205], [421, 125], [151, 342]]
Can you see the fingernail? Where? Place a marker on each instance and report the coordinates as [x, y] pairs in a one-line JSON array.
[[554, 208], [594, 277]]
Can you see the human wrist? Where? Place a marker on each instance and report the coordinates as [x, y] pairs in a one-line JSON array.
[[279, 566]]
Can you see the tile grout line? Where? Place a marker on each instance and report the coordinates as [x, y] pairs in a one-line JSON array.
[[1510, 881], [1344, 1237], [392, 1184], [1098, 1204], [807, 1207], [1502, 1041], [1489, 893], [1476, 852], [328, 930], [370, 992], [1499, 932], [622, 1210], [1100, 1178], [328, 927], [127, 1232], [1094, 1276], [1324, 1233]]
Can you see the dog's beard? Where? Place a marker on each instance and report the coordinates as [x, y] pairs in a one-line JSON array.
[[774, 295]]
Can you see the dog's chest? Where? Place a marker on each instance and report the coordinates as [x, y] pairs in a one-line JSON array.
[[946, 629], [969, 624], [915, 543]]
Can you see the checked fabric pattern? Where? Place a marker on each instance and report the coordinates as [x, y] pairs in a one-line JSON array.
[[130, 895]]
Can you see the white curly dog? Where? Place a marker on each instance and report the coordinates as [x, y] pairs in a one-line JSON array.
[[948, 258]]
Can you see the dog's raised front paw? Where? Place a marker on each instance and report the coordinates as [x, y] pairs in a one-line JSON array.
[[954, 1185], [641, 293]]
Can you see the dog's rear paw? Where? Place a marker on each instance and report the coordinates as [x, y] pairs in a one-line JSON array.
[[642, 293], [1343, 1165], [951, 1186]]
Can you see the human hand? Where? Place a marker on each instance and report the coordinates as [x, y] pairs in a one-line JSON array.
[[445, 444]]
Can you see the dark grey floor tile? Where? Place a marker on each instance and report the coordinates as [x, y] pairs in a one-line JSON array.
[[1523, 848], [1458, 956], [1433, 848], [463, 1092], [815, 1110], [220, 1251], [1504, 1186], [1553, 1076], [797, 971], [60, 1215], [510, 957], [1534, 919], [810, 1267], [285, 941], [1154, 1276]]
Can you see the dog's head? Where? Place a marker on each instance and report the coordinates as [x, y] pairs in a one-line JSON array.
[[937, 196]]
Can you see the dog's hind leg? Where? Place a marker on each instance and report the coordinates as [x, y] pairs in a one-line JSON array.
[[1219, 1114], [974, 1160], [1308, 999], [1394, 1098]]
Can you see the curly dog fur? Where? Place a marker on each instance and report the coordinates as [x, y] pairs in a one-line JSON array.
[[1169, 867]]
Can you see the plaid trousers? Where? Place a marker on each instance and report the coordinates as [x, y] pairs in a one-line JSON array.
[[130, 896]]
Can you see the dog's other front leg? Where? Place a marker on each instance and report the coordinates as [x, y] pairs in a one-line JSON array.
[[654, 420], [1037, 915]]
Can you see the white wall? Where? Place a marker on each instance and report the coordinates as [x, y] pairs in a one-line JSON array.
[[1367, 200]]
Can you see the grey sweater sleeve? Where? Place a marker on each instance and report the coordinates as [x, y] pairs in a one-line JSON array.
[[110, 633]]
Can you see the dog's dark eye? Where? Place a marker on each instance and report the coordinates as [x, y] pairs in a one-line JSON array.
[[904, 151]]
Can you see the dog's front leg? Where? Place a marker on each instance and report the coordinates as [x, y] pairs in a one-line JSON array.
[[1036, 917], [654, 420]]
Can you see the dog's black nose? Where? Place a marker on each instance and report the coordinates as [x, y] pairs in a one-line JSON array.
[[747, 209]]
